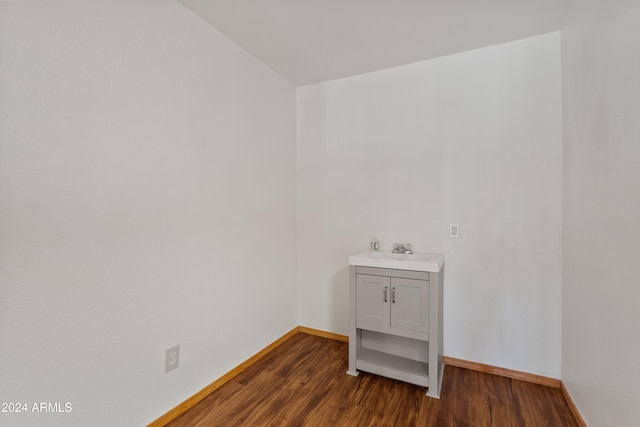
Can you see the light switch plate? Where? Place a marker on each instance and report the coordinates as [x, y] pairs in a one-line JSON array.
[[454, 231]]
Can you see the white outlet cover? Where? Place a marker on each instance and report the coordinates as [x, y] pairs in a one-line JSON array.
[[171, 358], [454, 231]]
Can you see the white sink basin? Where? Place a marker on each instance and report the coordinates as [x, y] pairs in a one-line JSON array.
[[416, 262]]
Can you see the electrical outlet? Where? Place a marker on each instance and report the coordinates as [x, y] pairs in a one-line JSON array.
[[171, 358], [454, 231]]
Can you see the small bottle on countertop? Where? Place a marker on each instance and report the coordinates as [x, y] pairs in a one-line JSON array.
[[375, 244]]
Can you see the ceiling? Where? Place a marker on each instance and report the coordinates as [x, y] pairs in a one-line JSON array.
[[310, 41]]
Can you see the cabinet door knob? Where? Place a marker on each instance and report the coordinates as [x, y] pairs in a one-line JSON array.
[[384, 294], [393, 295]]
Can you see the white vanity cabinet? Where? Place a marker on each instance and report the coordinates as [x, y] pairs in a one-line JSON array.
[[395, 322]]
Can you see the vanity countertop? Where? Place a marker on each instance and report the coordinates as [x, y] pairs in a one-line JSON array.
[[418, 261]]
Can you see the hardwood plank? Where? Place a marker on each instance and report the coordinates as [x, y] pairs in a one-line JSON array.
[[303, 382], [542, 406]]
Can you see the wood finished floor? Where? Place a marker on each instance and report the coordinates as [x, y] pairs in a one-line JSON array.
[[303, 382]]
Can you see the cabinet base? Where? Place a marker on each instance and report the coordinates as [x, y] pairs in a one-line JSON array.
[[353, 373], [388, 365], [435, 391]]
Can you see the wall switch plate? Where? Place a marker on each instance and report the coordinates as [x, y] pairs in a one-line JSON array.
[[454, 231], [171, 358]]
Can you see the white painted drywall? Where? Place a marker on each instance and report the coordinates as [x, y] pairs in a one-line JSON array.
[[147, 199], [601, 96], [473, 138]]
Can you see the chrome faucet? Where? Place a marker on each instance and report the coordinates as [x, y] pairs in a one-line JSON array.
[[402, 248]]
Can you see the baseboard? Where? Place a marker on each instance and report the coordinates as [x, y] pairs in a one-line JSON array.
[[503, 372], [193, 400], [572, 406], [323, 334]]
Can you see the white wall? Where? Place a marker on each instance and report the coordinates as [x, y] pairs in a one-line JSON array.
[[472, 138], [601, 96], [147, 193]]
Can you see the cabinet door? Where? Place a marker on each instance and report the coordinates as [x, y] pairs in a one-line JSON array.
[[372, 300], [410, 304]]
